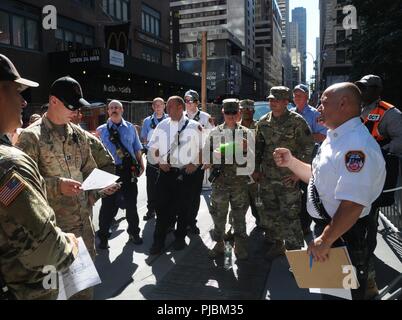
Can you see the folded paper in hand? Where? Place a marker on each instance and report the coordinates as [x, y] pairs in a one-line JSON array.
[[98, 179], [79, 276]]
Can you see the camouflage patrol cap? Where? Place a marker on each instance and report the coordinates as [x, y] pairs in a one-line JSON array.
[[247, 103], [230, 105], [192, 94], [279, 93]]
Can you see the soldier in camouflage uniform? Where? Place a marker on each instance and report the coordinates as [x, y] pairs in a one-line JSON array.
[[29, 237], [228, 187], [280, 128], [247, 112], [104, 160], [63, 154]]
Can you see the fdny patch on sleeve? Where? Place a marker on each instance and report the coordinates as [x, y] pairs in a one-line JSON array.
[[354, 160], [10, 189]]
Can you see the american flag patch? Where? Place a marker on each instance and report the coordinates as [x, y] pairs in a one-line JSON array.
[[10, 190]]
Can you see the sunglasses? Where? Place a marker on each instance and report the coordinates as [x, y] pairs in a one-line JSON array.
[[230, 113], [69, 106], [190, 101]]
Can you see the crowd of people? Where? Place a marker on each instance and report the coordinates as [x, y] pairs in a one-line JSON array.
[[302, 165]]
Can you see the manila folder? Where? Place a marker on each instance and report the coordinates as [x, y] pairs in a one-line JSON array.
[[335, 272]]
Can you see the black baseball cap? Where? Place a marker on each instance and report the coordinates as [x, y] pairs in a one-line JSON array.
[[68, 91], [8, 72]]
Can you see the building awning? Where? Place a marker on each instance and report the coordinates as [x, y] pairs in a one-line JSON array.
[[95, 58]]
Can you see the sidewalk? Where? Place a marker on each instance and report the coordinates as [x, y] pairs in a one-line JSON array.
[[128, 273]]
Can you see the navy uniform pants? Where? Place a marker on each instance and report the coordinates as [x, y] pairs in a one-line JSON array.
[[152, 175], [355, 240], [174, 199], [110, 205], [196, 189]]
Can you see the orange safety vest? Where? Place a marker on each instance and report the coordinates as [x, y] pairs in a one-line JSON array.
[[374, 118]]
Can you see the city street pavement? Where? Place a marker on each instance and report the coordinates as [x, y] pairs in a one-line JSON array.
[[128, 273]]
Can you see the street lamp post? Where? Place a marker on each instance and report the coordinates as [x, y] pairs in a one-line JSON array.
[[315, 69]]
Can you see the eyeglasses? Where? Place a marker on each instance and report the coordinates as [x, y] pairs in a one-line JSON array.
[[230, 113]]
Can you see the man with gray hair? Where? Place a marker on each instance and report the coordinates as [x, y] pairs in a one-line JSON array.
[[121, 139]]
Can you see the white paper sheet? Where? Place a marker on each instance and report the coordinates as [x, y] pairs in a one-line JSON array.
[[80, 275], [98, 179], [340, 293]]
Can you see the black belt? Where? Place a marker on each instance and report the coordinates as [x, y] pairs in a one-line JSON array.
[[317, 203]]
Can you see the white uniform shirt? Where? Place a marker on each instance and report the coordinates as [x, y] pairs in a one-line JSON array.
[[348, 166], [204, 120], [164, 138]]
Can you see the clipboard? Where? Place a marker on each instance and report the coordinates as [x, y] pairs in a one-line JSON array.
[[335, 273]]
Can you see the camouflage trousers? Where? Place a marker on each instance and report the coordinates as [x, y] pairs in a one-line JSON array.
[[252, 196], [280, 216], [88, 236], [235, 194]]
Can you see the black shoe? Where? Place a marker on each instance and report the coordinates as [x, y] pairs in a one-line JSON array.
[[136, 239], [103, 244], [149, 215], [179, 244], [155, 249], [193, 230]]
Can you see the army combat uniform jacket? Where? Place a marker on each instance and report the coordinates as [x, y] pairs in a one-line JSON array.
[[29, 238], [63, 157]]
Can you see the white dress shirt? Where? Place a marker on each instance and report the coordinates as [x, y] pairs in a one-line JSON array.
[[349, 166]]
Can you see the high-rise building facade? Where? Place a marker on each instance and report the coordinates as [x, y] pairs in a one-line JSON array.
[[335, 64], [284, 8], [231, 40], [299, 16], [269, 43]]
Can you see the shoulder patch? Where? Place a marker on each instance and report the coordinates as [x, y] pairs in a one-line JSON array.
[[10, 189], [354, 160], [200, 127]]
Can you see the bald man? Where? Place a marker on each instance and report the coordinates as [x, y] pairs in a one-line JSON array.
[[345, 178]]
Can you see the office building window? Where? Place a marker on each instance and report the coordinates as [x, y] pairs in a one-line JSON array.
[[71, 40], [339, 16], [340, 56], [19, 31], [5, 28], [118, 9], [150, 21], [32, 34], [340, 36], [151, 54]]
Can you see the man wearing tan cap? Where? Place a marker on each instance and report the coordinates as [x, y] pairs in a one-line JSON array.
[[29, 237], [281, 200]]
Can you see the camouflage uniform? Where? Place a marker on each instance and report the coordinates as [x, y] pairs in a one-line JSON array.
[[281, 203], [29, 238], [231, 188], [64, 157], [104, 160], [252, 194]]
